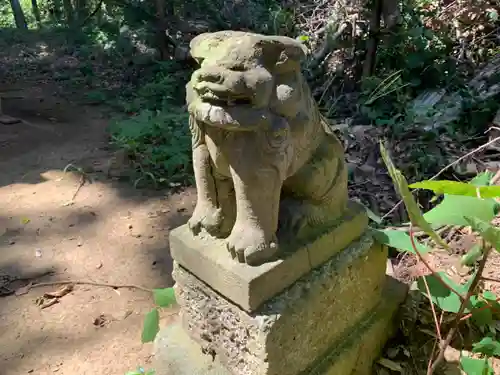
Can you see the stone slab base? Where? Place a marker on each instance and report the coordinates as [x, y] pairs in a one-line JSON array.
[[352, 354], [290, 331], [249, 287]]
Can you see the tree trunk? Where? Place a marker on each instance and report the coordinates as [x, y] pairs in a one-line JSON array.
[[161, 28], [55, 11], [69, 11], [19, 18], [36, 13], [81, 10]]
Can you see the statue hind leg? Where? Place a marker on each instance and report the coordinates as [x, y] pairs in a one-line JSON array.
[[316, 195]]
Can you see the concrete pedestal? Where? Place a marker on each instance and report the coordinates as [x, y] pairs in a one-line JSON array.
[[332, 319]]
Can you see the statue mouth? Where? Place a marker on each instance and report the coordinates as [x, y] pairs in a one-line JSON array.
[[228, 111]]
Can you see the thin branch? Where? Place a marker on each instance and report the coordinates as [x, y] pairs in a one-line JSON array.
[[83, 282], [429, 267], [444, 169], [454, 328]]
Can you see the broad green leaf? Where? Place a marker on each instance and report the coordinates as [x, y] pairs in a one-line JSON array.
[[480, 315], [133, 373], [490, 296], [164, 297], [474, 253], [458, 188], [442, 296], [151, 326], [473, 366], [487, 346], [482, 179], [398, 240], [453, 209], [411, 206], [487, 231]]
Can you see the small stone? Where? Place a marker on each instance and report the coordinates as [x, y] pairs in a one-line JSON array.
[[130, 226], [12, 242]]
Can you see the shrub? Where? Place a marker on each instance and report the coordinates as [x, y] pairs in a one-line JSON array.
[[158, 145]]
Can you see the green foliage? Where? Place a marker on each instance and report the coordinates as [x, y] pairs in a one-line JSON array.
[[458, 188], [141, 371], [472, 366], [151, 326], [464, 208], [159, 145], [454, 209], [412, 207], [399, 240], [487, 231], [163, 298], [442, 295]]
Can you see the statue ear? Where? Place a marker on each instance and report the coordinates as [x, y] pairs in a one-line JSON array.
[[287, 53], [201, 45]]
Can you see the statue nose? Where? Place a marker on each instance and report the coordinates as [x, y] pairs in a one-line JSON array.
[[208, 75], [225, 79]]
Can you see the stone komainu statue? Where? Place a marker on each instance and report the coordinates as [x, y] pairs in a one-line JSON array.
[[267, 166]]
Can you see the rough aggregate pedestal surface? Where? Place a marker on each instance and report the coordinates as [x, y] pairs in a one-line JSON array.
[[249, 287], [292, 330], [178, 354]]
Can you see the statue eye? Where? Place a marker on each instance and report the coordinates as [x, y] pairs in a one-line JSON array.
[[199, 60], [238, 68]]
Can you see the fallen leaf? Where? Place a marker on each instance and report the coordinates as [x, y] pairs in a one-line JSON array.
[[49, 303]]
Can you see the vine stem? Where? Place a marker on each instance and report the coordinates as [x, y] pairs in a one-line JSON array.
[[451, 333]]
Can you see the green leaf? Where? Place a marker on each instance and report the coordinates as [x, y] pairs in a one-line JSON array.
[[453, 209], [480, 315], [474, 253], [372, 216], [398, 240], [441, 295], [411, 206], [472, 366], [151, 326], [458, 188], [164, 297], [487, 346], [482, 179], [487, 231], [490, 296], [133, 373]]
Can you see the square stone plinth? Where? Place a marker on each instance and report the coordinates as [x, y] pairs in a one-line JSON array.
[[353, 354], [290, 331], [249, 287]]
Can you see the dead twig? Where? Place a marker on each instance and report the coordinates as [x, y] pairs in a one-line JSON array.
[[83, 282], [444, 169]]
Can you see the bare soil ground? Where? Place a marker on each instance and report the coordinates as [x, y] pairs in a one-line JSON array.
[[110, 233]]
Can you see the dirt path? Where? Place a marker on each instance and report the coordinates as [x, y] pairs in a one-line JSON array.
[[110, 233]]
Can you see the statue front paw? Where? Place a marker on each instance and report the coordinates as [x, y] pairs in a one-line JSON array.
[[208, 218], [249, 245]]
